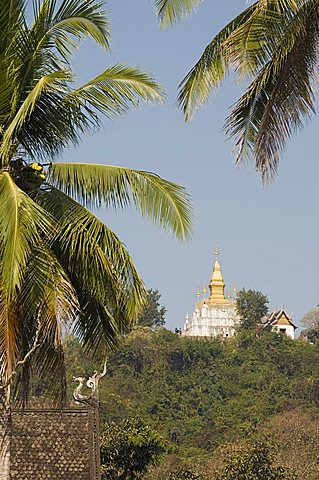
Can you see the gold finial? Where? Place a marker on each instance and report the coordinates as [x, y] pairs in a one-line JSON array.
[[228, 295], [204, 290], [198, 292], [216, 284], [216, 252], [235, 290]]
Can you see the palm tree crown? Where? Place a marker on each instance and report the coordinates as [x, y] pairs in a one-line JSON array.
[[273, 44], [58, 261]]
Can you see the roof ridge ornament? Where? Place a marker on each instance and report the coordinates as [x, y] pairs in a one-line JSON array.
[[216, 252], [93, 384]]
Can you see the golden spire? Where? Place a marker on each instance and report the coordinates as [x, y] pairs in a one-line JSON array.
[[217, 285], [198, 292], [204, 290]]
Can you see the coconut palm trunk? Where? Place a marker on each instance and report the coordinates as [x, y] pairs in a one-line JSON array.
[[5, 433]]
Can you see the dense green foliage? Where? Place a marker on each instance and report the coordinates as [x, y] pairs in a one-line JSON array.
[[152, 313], [128, 449], [251, 306], [183, 474], [202, 393], [255, 463]]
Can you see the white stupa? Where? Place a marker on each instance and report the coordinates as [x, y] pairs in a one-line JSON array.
[[216, 315]]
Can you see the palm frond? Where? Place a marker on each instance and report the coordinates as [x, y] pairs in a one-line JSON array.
[[47, 302], [280, 98], [252, 44], [170, 11], [99, 327], [12, 20], [48, 362], [245, 118], [9, 334], [68, 24], [163, 202], [47, 292], [60, 114], [22, 223], [211, 68], [95, 260], [240, 44], [30, 61], [90, 246], [12, 16], [116, 90], [48, 83], [54, 124], [282, 5]]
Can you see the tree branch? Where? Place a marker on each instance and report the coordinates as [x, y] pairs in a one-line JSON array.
[[35, 345]]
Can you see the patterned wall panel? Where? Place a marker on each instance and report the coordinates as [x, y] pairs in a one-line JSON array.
[[54, 445]]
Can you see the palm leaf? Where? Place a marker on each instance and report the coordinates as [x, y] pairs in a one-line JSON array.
[[99, 327], [117, 89], [170, 11], [252, 44], [90, 250], [211, 68], [47, 301], [164, 202], [47, 292], [22, 223], [11, 18], [9, 334], [48, 83], [239, 44], [280, 97], [68, 24], [48, 129], [93, 256]]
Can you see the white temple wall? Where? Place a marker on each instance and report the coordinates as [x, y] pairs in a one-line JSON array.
[[208, 322], [289, 330]]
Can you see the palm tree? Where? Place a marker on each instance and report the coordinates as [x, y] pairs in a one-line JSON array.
[[58, 261], [273, 44]]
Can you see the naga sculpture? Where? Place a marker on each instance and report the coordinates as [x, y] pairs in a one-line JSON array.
[[93, 384]]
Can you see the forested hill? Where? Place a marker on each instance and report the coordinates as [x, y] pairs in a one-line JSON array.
[[200, 394]]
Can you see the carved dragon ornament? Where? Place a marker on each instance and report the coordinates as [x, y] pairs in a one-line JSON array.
[[93, 384]]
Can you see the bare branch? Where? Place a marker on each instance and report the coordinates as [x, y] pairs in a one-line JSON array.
[[101, 375], [35, 345]]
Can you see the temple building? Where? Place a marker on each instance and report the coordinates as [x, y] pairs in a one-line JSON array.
[[279, 321], [216, 315]]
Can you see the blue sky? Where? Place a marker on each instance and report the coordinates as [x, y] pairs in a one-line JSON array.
[[268, 237]]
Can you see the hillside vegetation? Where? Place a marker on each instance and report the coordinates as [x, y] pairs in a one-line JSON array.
[[206, 396]]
